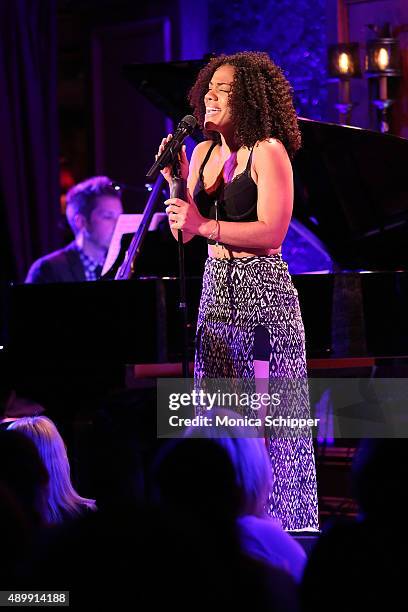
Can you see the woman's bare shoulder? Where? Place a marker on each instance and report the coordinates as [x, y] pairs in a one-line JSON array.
[[199, 152], [270, 145], [271, 150], [201, 149], [270, 159]]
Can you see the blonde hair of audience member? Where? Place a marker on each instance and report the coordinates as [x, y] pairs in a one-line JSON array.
[[249, 457], [63, 500]]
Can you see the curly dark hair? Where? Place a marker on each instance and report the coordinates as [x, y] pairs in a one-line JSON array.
[[261, 100]]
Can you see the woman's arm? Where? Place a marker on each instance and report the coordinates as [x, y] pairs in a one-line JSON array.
[[275, 204]]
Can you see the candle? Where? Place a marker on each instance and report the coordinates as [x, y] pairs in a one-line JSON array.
[[383, 87], [345, 91]]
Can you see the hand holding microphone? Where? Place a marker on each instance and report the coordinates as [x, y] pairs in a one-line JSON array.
[[171, 147], [182, 158]]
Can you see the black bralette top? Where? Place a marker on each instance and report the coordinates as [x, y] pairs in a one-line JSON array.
[[234, 201]]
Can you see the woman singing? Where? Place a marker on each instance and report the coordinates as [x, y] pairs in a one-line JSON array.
[[240, 199]]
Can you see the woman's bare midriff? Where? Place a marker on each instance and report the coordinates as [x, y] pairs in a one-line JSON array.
[[224, 252]]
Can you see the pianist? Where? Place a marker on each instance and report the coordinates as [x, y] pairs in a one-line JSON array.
[[93, 208]]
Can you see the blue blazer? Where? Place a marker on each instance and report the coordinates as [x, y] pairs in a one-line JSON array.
[[63, 266]]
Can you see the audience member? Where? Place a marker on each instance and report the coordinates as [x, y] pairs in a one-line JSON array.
[[197, 486], [25, 476], [262, 537], [15, 538], [63, 501], [360, 564]]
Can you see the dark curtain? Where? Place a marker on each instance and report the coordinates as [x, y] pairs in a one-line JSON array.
[[29, 193]]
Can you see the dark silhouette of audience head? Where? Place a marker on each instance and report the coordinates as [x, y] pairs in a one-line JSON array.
[[360, 564], [15, 538], [248, 455], [194, 474], [24, 474], [380, 469]]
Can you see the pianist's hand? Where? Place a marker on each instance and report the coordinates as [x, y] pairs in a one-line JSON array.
[[166, 172]]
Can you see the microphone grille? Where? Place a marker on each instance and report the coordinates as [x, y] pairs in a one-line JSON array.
[[189, 123]]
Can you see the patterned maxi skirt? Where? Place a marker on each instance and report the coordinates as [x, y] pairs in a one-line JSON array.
[[238, 296]]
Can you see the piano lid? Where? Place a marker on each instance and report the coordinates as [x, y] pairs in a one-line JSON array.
[[166, 84], [351, 188]]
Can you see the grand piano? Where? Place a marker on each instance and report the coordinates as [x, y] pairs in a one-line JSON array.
[[351, 202]]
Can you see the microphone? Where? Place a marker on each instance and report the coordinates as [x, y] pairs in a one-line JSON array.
[[172, 148]]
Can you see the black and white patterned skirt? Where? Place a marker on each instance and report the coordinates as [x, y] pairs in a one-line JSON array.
[[239, 297]]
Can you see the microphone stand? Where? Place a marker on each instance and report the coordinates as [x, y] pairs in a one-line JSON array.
[[126, 269], [179, 190]]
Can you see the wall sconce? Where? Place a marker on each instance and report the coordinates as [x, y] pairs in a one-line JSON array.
[[344, 64], [382, 62]]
